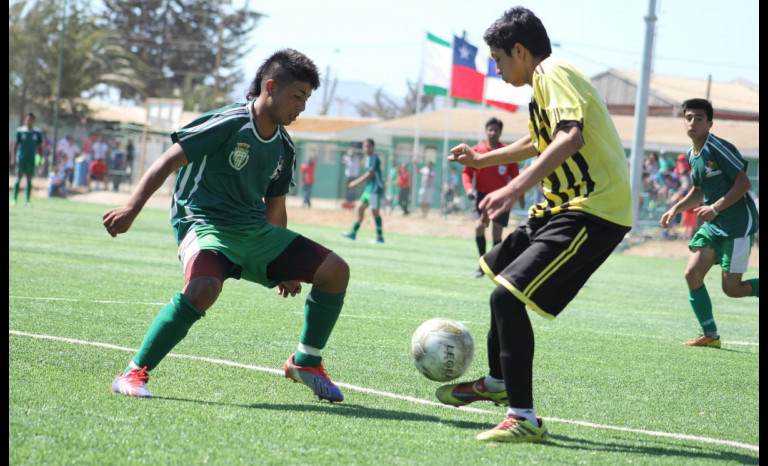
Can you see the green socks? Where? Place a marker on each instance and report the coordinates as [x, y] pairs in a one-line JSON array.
[[355, 227], [379, 227], [755, 282], [167, 330], [320, 314], [702, 307]]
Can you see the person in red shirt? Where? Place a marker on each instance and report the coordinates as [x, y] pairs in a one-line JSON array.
[[308, 179], [480, 181], [404, 185], [97, 171]]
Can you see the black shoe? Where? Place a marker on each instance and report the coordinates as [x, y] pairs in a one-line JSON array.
[[479, 273]]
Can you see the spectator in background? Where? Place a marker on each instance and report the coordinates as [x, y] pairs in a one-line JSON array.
[[130, 155], [351, 171], [665, 162], [97, 173], [57, 182], [118, 166], [451, 191], [88, 147], [101, 149], [426, 188], [391, 189], [404, 185], [308, 180]]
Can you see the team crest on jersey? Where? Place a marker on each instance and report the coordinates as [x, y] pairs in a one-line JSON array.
[[711, 170], [278, 169], [502, 170], [239, 157]]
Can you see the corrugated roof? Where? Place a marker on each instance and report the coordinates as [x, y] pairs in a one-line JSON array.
[[733, 96], [660, 132]]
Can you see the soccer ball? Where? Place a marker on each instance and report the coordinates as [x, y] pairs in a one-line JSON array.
[[442, 349]]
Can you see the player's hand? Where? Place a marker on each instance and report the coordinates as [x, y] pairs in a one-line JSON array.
[[665, 218], [118, 220], [704, 213], [496, 203], [463, 154], [289, 287]]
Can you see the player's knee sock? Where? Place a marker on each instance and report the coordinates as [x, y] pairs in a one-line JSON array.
[[320, 314], [379, 227], [480, 241], [492, 344], [517, 346], [167, 330], [16, 189], [28, 191], [355, 227], [755, 282], [702, 307]]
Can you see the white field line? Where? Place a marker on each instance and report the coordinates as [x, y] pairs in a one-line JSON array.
[[652, 433], [352, 316]]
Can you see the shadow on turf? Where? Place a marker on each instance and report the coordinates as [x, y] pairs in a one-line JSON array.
[[555, 441], [660, 450], [343, 409]]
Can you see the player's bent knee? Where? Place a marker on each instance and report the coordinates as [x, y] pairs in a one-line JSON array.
[[333, 274], [202, 292]]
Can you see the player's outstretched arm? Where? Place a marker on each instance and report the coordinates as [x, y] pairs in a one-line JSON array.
[[520, 150], [119, 220]]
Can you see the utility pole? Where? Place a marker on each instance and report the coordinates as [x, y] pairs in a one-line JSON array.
[[641, 112]]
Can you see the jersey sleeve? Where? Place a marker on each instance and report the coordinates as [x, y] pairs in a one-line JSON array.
[[204, 136]]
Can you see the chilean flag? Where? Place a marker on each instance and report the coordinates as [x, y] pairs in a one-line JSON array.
[[467, 79]]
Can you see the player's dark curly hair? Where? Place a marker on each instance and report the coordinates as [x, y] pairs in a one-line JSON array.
[[699, 104], [519, 26], [284, 66]]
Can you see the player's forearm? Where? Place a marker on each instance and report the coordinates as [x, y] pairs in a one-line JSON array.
[[520, 150], [691, 200], [741, 185]]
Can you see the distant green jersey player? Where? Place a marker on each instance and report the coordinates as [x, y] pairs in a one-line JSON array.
[[229, 216], [729, 218], [26, 146], [373, 195]]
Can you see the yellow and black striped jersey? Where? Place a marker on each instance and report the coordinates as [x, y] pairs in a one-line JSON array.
[[596, 178]]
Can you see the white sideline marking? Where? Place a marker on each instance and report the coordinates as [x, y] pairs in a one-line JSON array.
[[411, 399]]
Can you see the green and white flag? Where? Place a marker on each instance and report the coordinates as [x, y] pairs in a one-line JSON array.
[[436, 66]]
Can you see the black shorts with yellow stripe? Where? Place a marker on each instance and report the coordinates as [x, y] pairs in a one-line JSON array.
[[546, 262]]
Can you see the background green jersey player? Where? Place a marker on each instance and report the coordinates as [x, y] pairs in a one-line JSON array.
[[729, 215], [26, 146], [229, 217], [372, 196]]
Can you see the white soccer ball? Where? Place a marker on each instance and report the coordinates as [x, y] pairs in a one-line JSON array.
[[442, 349]]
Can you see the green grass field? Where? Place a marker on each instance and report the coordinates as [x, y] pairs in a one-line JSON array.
[[611, 378]]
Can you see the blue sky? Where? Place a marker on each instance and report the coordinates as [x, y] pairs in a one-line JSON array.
[[380, 42]]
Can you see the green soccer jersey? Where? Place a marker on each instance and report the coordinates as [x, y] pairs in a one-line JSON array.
[[596, 178], [231, 170], [713, 170], [27, 142], [375, 184]]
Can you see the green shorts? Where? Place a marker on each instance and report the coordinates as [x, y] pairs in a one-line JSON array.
[[732, 253], [25, 168], [250, 247], [373, 199]]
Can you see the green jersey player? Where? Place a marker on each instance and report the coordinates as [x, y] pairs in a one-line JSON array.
[[26, 146], [229, 217], [373, 195], [729, 215]]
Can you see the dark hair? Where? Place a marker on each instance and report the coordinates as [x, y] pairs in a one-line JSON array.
[[370, 141], [31, 115], [519, 26], [494, 121], [699, 104], [284, 66]]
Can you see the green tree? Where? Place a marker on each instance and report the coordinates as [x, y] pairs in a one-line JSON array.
[[92, 61], [187, 48]]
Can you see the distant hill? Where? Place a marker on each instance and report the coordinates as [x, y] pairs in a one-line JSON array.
[[346, 95]]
